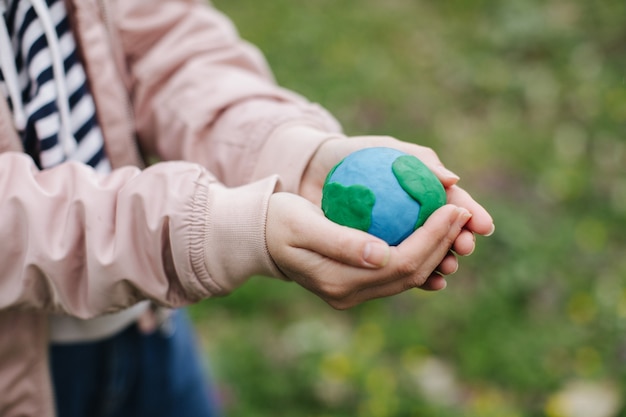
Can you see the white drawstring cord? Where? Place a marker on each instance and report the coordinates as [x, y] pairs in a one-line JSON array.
[[66, 137], [11, 80]]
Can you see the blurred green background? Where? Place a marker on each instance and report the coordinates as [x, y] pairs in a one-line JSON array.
[[526, 101]]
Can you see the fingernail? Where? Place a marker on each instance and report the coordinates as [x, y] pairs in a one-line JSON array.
[[463, 215], [493, 229], [447, 173], [471, 250], [376, 254]]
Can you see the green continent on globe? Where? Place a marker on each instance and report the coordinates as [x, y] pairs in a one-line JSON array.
[[349, 206], [418, 181]]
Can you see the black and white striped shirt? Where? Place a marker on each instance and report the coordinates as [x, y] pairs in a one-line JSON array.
[[58, 112]]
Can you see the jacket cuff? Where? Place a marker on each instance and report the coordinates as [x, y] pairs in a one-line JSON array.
[[296, 142], [229, 245]]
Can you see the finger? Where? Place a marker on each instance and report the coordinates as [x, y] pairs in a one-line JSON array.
[[423, 153], [465, 243], [432, 161], [411, 264], [435, 282], [437, 235], [448, 265], [481, 221], [352, 247]]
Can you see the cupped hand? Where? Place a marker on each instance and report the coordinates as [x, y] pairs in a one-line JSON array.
[[345, 266], [334, 150]]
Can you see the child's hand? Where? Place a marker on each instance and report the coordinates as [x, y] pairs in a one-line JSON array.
[[334, 150], [345, 266]]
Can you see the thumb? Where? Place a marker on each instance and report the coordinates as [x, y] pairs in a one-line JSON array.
[[299, 224], [347, 245]]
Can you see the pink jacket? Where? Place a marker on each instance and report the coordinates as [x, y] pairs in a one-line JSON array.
[[171, 81]]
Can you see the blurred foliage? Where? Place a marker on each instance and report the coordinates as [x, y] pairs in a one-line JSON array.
[[526, 101]]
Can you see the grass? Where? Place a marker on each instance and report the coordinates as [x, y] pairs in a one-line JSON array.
[[526, 101]]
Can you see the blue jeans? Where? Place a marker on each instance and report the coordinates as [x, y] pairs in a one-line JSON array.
[[133, 375]]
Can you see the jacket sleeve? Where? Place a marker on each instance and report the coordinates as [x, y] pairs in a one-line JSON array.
[[201, 93], [85, 244]]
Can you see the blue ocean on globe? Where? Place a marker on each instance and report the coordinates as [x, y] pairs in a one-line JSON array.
[[395, 212]]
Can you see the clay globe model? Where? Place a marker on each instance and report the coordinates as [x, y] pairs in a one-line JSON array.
[[382, 191]]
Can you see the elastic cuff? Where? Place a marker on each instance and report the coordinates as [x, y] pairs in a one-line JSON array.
[[233, 241]]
